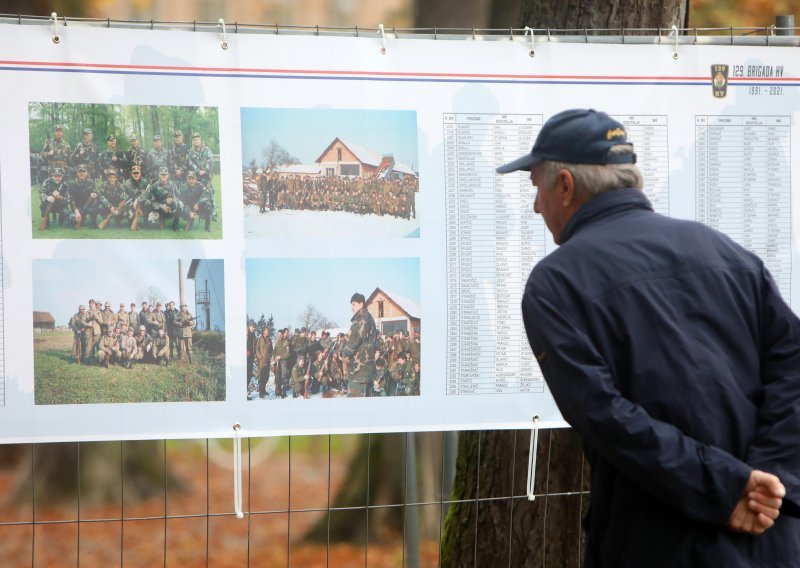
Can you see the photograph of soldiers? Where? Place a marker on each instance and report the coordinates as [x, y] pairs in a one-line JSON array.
[[97, 354], [369, 345], [329, 172], [119, 191]]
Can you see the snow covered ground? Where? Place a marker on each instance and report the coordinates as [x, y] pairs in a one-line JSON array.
[[291, 223]]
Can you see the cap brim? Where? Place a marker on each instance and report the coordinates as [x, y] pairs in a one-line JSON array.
[[524, 163]]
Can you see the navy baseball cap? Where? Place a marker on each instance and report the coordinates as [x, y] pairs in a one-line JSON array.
[[575, 136]]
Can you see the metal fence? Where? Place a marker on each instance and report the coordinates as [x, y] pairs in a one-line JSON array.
[[357, 500]]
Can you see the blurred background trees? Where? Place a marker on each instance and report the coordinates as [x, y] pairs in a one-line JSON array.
[[399, 13]]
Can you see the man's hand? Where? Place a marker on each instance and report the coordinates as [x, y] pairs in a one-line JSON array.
[[760, 504]]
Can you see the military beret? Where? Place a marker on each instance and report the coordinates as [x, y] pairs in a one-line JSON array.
[[82, 168], [156, 137], [59, 127], [87, 131], [195, 135], [110, 137], [178, 133], [191, 174], [136, 169], [163, 170], [58, 172]]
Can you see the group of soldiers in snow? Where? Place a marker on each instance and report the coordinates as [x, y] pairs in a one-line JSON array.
[[159, 185], [373, 195], [362, 363], [127, 337]]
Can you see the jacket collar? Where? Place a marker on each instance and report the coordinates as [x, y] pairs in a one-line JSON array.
[[605, 204]]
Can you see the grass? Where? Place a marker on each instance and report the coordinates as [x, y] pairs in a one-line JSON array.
[[123, 232], [58, 381]]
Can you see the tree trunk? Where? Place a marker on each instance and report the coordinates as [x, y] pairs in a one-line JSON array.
[[580, 14], [452, 13], [485, 533]]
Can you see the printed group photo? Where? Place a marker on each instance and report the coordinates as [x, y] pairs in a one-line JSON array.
[[102, 171], [121, 331], [333, 328], [330, 172]]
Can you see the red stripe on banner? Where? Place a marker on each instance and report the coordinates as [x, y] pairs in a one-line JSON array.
[[345, 72]]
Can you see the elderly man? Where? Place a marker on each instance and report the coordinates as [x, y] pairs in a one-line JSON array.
[[669, 349]]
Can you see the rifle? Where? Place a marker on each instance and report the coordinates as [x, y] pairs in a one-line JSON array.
[[45, 217], [136, 215], [104, 222]]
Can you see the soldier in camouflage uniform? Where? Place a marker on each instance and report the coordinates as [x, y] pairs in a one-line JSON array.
[[161, 200], [156, 321], [155, 159], [281, 354], [178, 159], [109, 157], [54, 198], [111, 198], [169, 323], [108, 349], [359, 349], [85, 153], [400, 374], [197, 201], [122, 318], [76, 324], [108, 319], [184, 320], [298, 378], [134, 156], [263, 356], [201, 160], [144, 346], [83, 197], [56, 150], [127, 347], [161, 347]]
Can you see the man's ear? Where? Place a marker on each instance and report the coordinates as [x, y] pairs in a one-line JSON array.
[[566, 187]]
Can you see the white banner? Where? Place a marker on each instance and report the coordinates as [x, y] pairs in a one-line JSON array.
[[278, 180]]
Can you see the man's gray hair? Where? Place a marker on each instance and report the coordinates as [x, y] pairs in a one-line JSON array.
[[591, 179]]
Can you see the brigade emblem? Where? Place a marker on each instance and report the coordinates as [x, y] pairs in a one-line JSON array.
[[719, 80]]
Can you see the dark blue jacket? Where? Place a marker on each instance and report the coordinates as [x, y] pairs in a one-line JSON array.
[[668, 348]]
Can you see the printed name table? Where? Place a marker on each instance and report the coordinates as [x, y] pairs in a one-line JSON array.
[[493, 241], [651, 144], [743, 181]]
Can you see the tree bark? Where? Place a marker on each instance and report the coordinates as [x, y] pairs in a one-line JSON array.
[[452, 13], [580, 14]]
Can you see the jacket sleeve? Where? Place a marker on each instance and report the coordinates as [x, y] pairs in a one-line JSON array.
[[776, 448], [699, 480]]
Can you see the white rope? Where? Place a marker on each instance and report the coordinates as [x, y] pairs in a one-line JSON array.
[[532, 52], [675, 49], [224, 44], [532, 459], [237, 471], [56, 37]]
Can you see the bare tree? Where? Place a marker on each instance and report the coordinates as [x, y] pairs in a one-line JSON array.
[[276, 155], [151, 295], [312, 319]]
